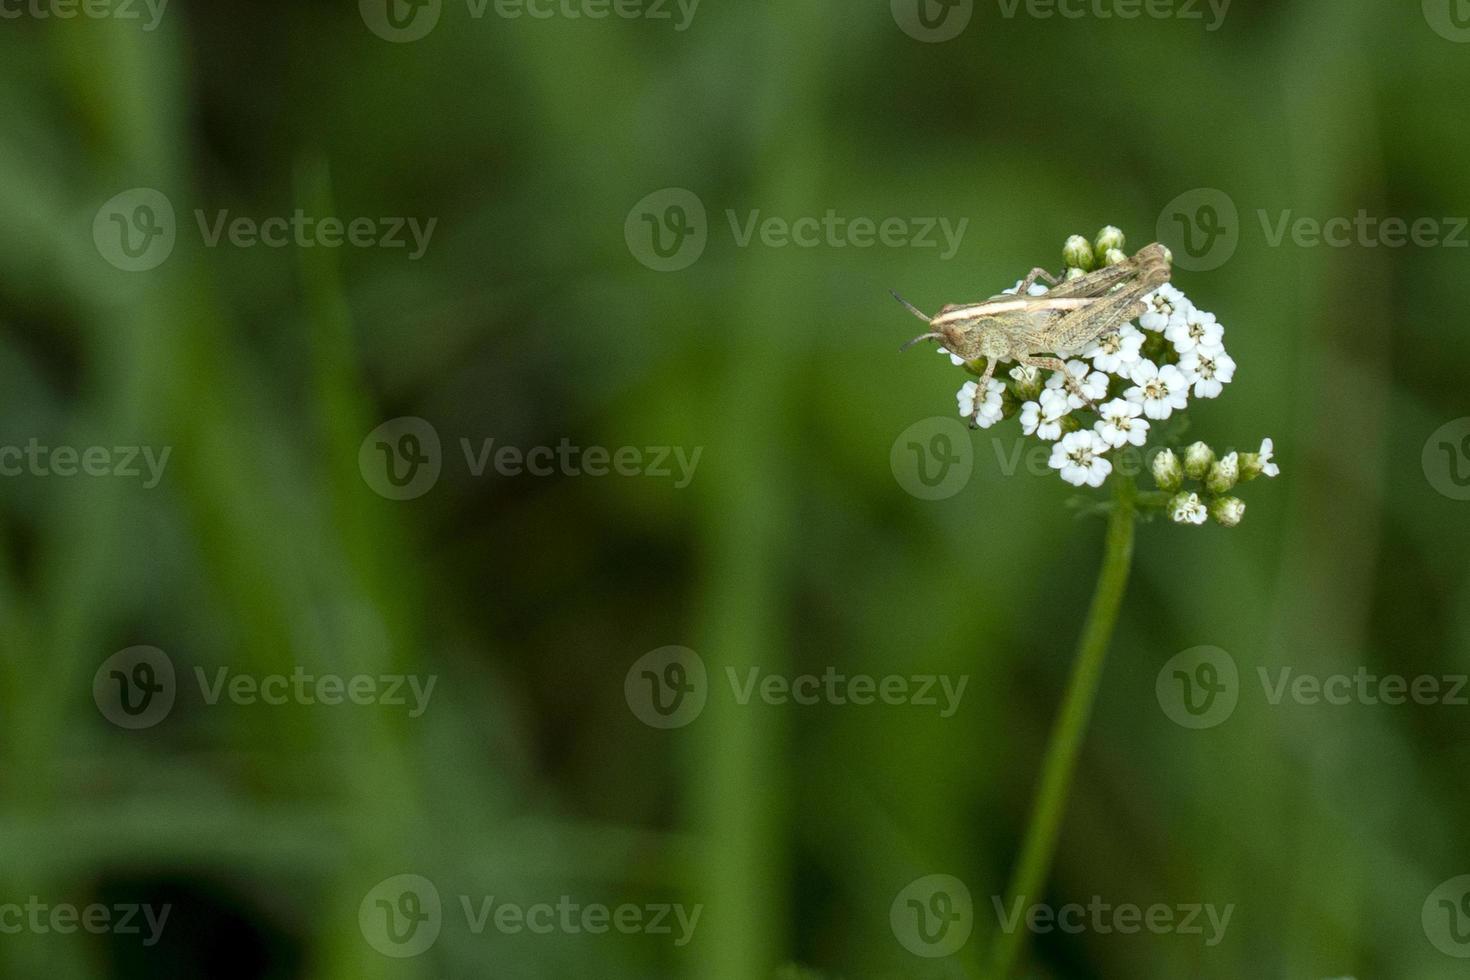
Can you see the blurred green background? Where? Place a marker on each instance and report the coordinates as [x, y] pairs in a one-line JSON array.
[[535, 315]]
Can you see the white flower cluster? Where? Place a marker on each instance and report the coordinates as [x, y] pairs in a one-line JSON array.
[[1190, 337]]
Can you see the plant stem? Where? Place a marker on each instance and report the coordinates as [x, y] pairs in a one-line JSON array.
[[1066, 737]]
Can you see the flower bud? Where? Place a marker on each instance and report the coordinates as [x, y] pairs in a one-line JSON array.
[[1197, 460], [1077, 253], [1108, 238], [1227, 511], [1185, 508], [1113, 256], [1168, 474], [1224, 474], [1028, 382], [1074, 273], [1168, 255]]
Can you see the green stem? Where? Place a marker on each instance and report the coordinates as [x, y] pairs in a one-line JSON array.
[[1066, 738]]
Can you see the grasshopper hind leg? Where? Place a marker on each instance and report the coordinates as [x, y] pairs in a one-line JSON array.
[[1030, 280]]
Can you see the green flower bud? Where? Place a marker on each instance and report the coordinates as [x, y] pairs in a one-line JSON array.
[[1113, 256], [1028, 382], [1108, 238], [1227, 511], [1185, 508], [1074, 273], [1198, 458], [1077, 253], [1223, 474], [1168, 474]]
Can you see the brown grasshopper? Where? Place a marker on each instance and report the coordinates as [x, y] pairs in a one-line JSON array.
[[1061, 322]]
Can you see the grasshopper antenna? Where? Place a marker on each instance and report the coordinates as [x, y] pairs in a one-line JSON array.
[[912, 308], [922, 336]]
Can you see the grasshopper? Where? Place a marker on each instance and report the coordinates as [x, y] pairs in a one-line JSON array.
[[1060, 323]]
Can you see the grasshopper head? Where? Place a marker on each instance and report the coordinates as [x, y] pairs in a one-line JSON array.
[[954, 336]]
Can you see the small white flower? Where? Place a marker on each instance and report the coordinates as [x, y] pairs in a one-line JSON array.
[[1185, 508], [1159, 390], [986, 411], [1044, 420], [1209, 368], [1165, 305], [954, 359], [1036, 289], [1024, 374], [1093, 385], [1079, 457], [1118, 351], [1120, 423], [1197, 329], [1263, 458]]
